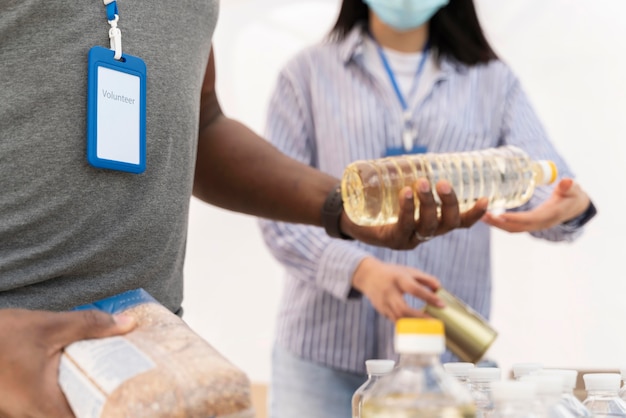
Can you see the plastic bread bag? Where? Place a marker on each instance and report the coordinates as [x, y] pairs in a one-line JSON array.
[[160, 369]]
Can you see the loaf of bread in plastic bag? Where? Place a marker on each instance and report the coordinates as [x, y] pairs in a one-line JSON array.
[[160, 369]]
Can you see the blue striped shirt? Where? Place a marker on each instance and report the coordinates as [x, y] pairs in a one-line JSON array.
[[330, 108]]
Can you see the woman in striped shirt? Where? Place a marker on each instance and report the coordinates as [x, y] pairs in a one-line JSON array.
[[393, 77]]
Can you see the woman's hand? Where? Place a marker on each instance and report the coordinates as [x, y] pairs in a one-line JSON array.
[[385, 285], [566, 202]]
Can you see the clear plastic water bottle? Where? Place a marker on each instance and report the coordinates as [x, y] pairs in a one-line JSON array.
[[523, 369], [568, 399], [622, 391], [480, 379], [418, 387], [548, 398], [459, 370], [513, 399], [376, 368], [505, 175], [603, 399]]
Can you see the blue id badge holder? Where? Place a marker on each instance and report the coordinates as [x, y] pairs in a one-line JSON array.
[[397, 151], [116, 105]]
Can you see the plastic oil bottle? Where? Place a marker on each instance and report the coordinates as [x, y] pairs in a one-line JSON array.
[[418, 387], [376, 368], [505, 175]]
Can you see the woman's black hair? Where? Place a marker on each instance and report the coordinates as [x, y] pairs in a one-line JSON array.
[[454, 31]]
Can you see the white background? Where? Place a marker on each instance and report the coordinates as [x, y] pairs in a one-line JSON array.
[[559, 304]]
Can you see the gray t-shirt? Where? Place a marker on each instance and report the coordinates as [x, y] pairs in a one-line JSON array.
[[71, 233]]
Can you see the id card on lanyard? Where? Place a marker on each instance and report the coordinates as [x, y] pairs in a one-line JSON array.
[[116, 104]]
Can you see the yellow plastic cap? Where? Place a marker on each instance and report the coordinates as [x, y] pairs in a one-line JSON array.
[[548, 170], [427, 326], [554, 172]]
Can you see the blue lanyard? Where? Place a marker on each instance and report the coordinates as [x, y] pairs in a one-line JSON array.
[[392, 77], [111, 7], [115, 35]]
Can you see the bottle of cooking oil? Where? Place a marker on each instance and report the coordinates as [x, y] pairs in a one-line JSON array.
[[376, 368], [418, 387], [505, 175]]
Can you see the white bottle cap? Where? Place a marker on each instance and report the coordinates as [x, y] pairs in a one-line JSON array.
[[548, 170], [546, 384], [458, 369], [485, 374], [420, 344], [513, 390], [522, 369], [379, 367], [609, 382], [568, 376]]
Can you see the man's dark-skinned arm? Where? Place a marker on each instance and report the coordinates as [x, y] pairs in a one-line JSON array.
[[238, 170]]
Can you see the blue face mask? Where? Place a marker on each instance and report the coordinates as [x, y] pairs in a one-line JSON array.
[[405, 14]]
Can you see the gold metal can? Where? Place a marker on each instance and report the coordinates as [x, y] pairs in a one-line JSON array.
[[468, 334]]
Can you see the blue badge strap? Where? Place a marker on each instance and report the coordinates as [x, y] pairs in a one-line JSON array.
[[119, 303], [111, 6], [392, 77], [115, 35]]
